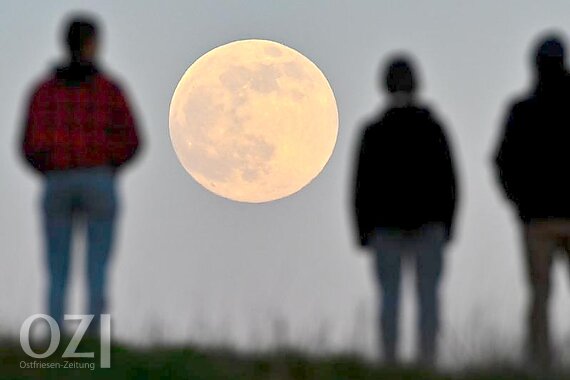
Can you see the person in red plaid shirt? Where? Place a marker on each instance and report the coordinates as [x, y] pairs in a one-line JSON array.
[[79, 132]]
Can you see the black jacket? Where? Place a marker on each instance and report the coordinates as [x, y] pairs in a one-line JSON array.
[[404, 175], [532, 157]]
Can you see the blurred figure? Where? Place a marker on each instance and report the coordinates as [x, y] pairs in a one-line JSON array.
[[78, 133], [532, 166], [404, 201]]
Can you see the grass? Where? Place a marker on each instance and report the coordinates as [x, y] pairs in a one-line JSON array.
[[212, 364]]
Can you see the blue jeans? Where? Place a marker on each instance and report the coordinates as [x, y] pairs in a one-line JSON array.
[[425, 246], [78, 195]]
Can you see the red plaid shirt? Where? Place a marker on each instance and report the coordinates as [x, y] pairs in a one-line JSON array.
[[85, 125]]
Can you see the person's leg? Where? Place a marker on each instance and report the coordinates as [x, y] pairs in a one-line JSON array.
[[540, 245], [57, 220], [387, 245], [99, 204], [428, 252]]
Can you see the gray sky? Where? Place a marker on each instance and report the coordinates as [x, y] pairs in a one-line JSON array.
[[192, 265]]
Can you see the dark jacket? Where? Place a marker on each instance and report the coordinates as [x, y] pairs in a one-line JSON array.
[[532, 157], [77, 118], [404, 175]]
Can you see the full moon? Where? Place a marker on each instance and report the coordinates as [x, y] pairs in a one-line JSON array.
[[253, 121]]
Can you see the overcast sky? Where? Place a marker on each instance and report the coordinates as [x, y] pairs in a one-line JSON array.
[[191, 265]]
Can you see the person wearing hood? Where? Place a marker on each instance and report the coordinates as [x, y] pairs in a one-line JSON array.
[[79, 132], [404, 204], [532, 166]]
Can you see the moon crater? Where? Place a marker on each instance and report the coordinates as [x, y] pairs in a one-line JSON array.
[[253, 121]]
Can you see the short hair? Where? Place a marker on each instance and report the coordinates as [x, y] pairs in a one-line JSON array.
[[79, 32], [400, 75]]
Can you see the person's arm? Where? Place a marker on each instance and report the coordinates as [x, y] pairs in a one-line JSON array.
[[36, 139], [361, 190], [444, 171], [451, 184], [122, 135], [507, 162]]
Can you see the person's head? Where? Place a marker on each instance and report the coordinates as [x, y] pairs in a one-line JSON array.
[[400, 76], [81, 39], [549, 56]]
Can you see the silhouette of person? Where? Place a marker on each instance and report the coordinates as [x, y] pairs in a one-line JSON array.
[[404, 203], [532, 164], [78, 133]]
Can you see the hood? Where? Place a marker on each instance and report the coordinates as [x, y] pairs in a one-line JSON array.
[[76, 73]]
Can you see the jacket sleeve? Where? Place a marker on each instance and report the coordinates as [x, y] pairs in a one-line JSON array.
[[36, 139], [507, 158], [122, 135], [451, 185], [361, 190]]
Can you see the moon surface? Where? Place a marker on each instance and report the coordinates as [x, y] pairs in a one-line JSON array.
[[253, 121]]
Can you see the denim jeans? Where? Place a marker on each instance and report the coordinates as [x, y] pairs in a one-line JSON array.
[[425, 247], [78, 198]]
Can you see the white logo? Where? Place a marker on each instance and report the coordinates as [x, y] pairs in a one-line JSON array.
[[70, 350]]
